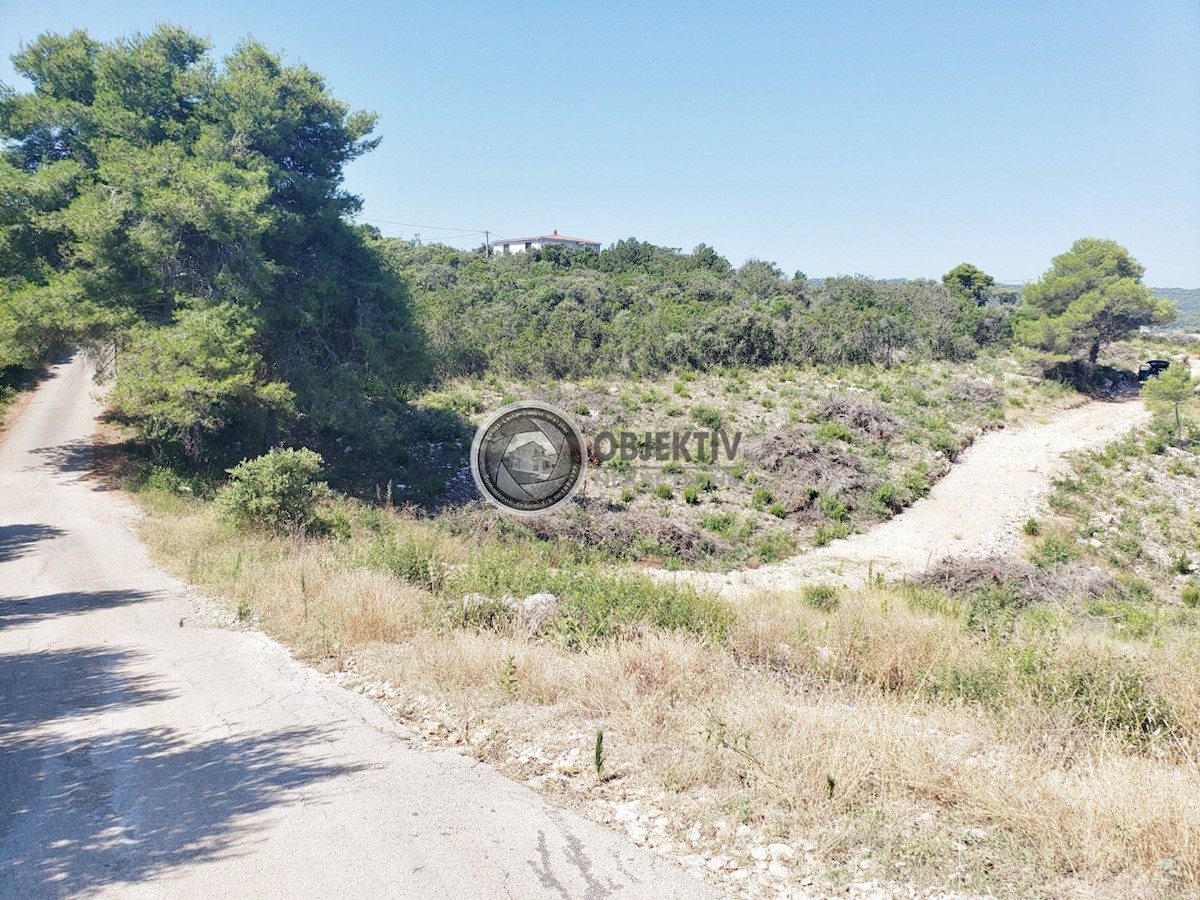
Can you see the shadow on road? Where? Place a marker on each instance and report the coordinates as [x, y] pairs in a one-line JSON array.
[[76, 459], [39, 687], [81, 813], [15, 611], [17, 540]]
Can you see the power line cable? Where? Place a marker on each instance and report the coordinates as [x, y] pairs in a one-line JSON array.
[[414, 225]]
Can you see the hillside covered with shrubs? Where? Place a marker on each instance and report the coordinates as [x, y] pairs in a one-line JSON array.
[[643, 309]]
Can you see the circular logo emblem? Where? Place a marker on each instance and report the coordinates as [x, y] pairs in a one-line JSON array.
[[528, 458]]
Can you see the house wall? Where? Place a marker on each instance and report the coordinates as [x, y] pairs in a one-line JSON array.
[[519, 247]]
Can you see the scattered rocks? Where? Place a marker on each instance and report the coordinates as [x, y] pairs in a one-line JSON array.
[[780, 851], [531, 613], [536, 610]]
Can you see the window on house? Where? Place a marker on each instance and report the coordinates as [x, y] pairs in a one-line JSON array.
[[528, 244]]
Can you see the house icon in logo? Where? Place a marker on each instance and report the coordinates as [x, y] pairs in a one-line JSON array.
[[532, 457]]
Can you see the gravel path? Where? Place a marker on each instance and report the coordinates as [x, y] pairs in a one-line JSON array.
[[975, 510]]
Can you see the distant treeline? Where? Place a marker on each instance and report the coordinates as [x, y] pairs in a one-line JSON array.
[[188, 216], [639, 308], [1188, 302]]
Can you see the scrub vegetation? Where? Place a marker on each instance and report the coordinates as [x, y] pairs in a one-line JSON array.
[[1016, 728], [293, 395]]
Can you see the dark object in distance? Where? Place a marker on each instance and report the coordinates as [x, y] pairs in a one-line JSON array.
[[1153, 368]]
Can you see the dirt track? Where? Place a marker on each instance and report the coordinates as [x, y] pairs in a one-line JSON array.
[[975, 509]]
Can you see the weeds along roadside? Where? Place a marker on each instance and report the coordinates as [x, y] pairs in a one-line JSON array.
[[833, 717]]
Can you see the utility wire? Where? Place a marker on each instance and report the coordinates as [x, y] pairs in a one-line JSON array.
[[414, 225]]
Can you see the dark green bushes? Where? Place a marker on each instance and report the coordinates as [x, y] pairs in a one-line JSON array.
[[278, 491], [637, 308]]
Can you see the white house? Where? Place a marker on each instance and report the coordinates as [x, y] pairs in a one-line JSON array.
[[537, 242]]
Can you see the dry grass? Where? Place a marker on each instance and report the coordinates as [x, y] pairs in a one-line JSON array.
[[13, 402], [834, 730], [964, 574]]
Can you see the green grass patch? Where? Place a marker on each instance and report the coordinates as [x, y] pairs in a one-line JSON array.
[[830, 532], [821, 596], [1055, 549], [774, 546]]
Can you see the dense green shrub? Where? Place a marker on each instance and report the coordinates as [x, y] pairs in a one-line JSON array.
[[192, 214], [182, 384], [277, 491]]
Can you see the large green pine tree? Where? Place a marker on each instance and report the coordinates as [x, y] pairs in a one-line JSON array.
[[1091, 295], [140, 181]]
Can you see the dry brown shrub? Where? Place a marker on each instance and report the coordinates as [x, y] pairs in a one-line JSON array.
[[977, 393], [962, 575], [808, 469], [593, 525], [866, 417]]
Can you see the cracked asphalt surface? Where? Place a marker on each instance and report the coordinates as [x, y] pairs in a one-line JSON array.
[[139, 758]]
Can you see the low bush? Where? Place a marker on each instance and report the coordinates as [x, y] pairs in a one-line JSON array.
[[708, 416], [762, 496], [886, 498], [1191, 593], [1055, 549], [830, 532], [821, 596], [720, 522], [834, 431], [774, 546], [916, 481], [992, 610], [834, 509], [1182, 563], [278, 491]]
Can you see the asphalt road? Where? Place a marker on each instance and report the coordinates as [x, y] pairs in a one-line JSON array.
[[139, 758]]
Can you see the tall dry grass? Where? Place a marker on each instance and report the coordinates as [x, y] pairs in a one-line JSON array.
[[882, 722]]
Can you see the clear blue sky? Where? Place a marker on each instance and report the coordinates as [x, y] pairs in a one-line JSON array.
[[893, 139]]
